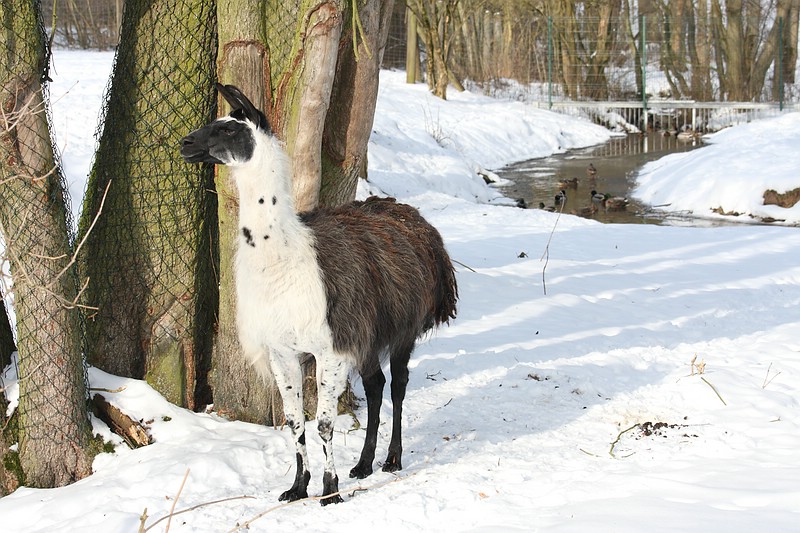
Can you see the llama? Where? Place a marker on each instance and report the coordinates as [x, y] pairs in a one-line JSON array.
[[354, 286]]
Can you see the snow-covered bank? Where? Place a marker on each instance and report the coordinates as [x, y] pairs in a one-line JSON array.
[[731, 173]]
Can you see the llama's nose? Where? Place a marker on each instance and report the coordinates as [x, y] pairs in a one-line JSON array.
[[187, 141]]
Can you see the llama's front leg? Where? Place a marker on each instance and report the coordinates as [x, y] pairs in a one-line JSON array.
[[289, 379], [331, 382]]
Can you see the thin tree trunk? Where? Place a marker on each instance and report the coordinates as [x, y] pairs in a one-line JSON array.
[[790, 43], [700, 53], [306, 107], [54, 427]]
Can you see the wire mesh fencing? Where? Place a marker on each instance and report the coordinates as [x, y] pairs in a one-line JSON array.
[[149, 218], [39, 280]]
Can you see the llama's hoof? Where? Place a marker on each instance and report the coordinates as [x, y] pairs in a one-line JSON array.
[[331, 499], [330, 489], [360, 471], [392, 464], [293, 495]]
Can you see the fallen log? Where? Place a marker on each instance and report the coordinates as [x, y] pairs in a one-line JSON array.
[[131, 431]]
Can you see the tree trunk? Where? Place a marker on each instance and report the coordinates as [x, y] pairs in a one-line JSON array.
[[790, 43], [700, 53], [348, 124], [470, 41], [435, 21], [245, 62], [733, 45], [9, 475], [149, 255], [717, 32], [54, 427], [767, 53]]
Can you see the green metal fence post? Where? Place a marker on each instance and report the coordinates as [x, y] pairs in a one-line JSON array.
[[550, 62], [779, 64], [642, 30]]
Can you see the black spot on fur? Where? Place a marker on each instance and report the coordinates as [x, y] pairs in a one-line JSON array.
[[261, 200], [248, 237], [274, 200], [266, 237]]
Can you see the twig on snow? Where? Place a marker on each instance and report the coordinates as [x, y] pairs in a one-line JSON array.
[[714, 389]]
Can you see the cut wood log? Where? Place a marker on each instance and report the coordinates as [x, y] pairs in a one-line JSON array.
[[132, 432]]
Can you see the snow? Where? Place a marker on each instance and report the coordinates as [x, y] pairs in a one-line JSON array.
[[736, 168], [521, 415]]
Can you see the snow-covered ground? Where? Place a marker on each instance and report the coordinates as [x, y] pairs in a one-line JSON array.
[[598, 377]]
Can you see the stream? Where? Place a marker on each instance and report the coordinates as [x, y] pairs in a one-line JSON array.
[[616, 162]]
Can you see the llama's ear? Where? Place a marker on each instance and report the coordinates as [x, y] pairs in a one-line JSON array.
[[239, 101]]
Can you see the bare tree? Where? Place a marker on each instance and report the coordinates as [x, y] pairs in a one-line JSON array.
[[436, 28], [746, 42]]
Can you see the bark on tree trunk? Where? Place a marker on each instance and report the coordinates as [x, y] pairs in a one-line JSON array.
[[245, 62], [54, 427], [148, 256], [355, 92]]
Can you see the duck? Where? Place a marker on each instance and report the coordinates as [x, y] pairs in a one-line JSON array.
[[561, 197], [688, 136], [549, 208], [616, 203], [591, 172], [585, 212], [570, 183], [598, 199]]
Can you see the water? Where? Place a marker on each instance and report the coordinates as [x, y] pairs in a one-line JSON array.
[[616, 162]]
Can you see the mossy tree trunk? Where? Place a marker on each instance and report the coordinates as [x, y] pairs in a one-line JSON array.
[[242, 61], [296, 61], [54, 429], [149, 256]]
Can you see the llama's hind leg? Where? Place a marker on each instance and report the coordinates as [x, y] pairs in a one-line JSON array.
[[289, 379], [331, 381], [399, 367], [373, 390]]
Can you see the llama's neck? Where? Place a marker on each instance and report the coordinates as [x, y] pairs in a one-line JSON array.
[[267, 217]]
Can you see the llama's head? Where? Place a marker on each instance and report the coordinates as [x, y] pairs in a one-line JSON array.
[[229, 140]]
